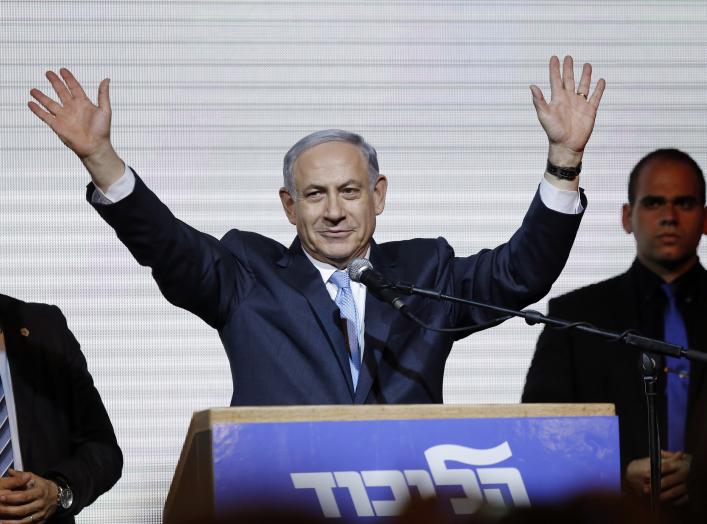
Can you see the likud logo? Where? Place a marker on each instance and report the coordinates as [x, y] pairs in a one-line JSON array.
[[483, 481]]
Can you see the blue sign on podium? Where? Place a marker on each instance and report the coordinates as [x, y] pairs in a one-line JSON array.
[[372, 467]]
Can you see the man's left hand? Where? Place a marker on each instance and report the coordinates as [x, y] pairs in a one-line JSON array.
[[568, 120], [673, 483], [33, 504]]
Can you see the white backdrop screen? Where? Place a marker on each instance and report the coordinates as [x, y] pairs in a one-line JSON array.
[[208, 96]]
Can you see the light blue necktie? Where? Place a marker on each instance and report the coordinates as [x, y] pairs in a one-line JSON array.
[[347, 309], [678, 376], [6, 458]]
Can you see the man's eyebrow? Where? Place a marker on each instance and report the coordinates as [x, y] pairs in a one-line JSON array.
[[685, 197], [351, 182], [653, 198], [660, 198], [312, 186]]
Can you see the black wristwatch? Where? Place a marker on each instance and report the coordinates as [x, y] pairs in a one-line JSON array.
[[564, 173], [64, 497]]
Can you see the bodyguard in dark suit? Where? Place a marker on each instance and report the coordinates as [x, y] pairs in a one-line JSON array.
[[61, 437], [667, 217], [296, 331]]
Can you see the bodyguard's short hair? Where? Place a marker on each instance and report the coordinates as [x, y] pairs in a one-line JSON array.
[[674, 155], [320, 137]]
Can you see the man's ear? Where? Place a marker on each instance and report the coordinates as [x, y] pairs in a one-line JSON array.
[[288, 204], [379, 191], [704, 221], [626, 218]]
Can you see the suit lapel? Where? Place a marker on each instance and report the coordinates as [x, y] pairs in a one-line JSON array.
[[306, 279], [19, 355], [698, 340], [378, 321], [624, 309]]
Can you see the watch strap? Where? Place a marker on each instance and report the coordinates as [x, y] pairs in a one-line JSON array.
[[564, 173]]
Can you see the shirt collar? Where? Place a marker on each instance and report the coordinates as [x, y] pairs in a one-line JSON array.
[[326, 270], [649, 284]]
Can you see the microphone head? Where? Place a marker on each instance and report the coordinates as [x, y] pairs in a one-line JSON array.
[[357, 267]]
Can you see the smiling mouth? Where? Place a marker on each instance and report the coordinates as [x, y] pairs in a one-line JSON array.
[[336, 233]]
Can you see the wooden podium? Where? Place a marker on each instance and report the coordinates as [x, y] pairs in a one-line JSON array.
[[351, 462]]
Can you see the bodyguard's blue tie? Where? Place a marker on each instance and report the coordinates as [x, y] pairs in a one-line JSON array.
[[678, 372], [347, 308], [6, 458]]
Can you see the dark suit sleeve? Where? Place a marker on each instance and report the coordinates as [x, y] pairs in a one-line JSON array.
[[521, 271], [550, 376], [193, 270], [94, 462]]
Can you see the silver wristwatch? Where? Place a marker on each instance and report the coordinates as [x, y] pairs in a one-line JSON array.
[[64, 497]]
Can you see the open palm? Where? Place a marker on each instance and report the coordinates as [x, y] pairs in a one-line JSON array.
[[83, 126], [568, 119]]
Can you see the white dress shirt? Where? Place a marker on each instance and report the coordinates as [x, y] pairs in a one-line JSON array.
[[10, 403]]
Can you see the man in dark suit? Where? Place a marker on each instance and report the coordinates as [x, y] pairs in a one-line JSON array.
[[666, 215], [296, 331], [54, 427]]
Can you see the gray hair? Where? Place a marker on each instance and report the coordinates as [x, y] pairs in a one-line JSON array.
[[320, 137]]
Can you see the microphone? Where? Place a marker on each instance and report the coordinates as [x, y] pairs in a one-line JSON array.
[[361, 270]]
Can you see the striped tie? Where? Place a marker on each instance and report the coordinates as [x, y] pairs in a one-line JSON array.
[[347, 310], [6, 458]]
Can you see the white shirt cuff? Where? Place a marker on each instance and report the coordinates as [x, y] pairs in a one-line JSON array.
[[559, 200], [118, 189]]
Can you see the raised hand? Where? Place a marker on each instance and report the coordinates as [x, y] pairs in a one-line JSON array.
[[83, 126], [568, 120]]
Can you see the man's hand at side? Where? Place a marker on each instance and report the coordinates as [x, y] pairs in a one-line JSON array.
[[27, 498], [675, 467]]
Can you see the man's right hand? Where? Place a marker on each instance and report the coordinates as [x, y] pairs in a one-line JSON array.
[[675, 467], [83, 126]]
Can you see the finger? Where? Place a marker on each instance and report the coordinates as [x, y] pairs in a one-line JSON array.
[[585, 80], [674, 493], [59, 87], [15, 479], [669, 466], [73, 84], [538, 99], [103, 98], [41, 113], [51, 106], [555, 78], [22, 512], [568, 74], [598, 91], [670, 481], [21, 497]]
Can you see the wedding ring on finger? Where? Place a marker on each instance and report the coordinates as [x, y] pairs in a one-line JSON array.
[[582, 95]]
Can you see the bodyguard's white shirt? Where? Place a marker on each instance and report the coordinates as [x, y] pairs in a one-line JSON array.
[[10, 403], [559, 200]]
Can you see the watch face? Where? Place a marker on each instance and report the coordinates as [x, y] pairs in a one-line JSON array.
[[66, 497]]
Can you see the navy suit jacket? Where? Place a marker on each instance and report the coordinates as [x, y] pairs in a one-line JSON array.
[[280, 328], [63, 427]]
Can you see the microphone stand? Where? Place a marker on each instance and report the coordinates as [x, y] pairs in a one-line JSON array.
[[630, 338], [650, 378], [532, 317]]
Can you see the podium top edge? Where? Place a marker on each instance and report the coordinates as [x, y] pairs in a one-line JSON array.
[[252, 414]]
